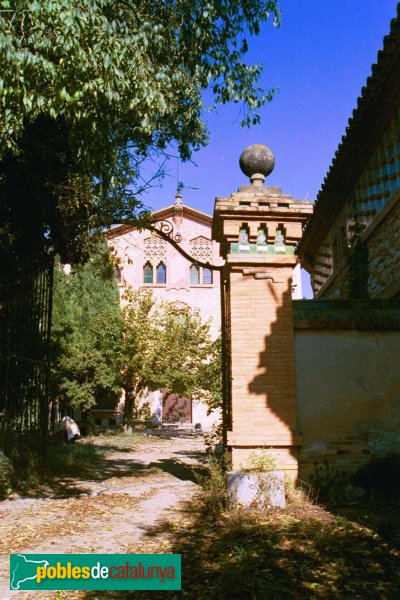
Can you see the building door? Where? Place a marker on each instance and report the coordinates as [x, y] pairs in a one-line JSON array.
[[176, 409]]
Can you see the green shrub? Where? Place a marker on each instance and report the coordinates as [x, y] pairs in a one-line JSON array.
[[71, 460], [214, 438], [261, 460], [214, 484]]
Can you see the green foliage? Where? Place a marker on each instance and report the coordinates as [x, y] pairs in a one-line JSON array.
[[261, 460], [27, 458], [214, 485], [214, 437], [103, 65], [72, 460], [211, 371], [90, 88], [81, 373], [156, 346]]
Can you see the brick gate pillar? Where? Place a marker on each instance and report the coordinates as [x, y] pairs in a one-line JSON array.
[[258, 228]]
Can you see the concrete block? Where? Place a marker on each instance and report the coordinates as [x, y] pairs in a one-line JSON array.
[[264, 490]]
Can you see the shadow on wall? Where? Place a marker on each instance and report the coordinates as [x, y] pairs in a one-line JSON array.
[[276, 381]]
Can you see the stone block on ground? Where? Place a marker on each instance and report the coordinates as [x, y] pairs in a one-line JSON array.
[[264, 490]]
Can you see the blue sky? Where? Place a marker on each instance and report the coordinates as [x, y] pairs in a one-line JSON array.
[[319, 59]]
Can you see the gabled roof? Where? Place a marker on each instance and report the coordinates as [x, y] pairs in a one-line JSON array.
[[161, 214], [376, 107], [188, 212]]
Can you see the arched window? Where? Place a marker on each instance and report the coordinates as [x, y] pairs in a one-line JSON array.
[[207, 276], [194, 275], [161, 274], [148, 273]]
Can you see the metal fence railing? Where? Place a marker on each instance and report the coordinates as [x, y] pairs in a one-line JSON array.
[[24, 360]]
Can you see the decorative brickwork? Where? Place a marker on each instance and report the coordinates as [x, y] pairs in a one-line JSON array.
[[384, 253], [258, 228], [201, 248], [155, 248], [382, 244]]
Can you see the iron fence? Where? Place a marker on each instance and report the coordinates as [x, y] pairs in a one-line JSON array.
[[24, 360]]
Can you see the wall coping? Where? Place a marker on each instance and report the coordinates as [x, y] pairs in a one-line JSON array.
[[362, 315]]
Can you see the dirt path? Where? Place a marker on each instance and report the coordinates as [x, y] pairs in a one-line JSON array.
[[111, 511]]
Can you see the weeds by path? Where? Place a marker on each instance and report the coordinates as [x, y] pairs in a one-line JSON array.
[[302, 552]]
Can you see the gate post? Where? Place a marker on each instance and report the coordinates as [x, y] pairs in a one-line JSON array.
[[258, 228]]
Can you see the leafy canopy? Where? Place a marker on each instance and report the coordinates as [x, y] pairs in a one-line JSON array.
[[89, 88], [121, 71], [81, 373], [159, 345]]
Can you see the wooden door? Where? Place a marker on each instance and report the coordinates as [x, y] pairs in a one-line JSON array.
[[176, 409]]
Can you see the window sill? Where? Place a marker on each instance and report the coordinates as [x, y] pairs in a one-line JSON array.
[[155, 285], [201, 285]]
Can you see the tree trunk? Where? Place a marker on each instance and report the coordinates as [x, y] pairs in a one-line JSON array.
[[128, 407], [130, 398]]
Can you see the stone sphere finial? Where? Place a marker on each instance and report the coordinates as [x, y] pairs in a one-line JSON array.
[[257, 162]]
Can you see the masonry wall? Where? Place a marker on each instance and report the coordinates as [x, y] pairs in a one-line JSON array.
[[263, 394], [347, 385], [383, 239]]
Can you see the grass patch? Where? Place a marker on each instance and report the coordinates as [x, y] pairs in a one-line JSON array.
[[121, 442], [26, 468], [75, 460], [72, 460]]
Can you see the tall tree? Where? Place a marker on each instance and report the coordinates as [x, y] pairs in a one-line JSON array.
[[159, 345], [89, 88], [81, 372]]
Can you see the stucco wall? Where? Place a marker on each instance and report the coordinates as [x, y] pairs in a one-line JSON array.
[[130, 250], [348, 391], [129, 246]]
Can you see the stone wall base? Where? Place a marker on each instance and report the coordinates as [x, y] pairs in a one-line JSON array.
[[330, 463]]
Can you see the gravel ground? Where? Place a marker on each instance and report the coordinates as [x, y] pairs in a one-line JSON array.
[[112, 511]]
